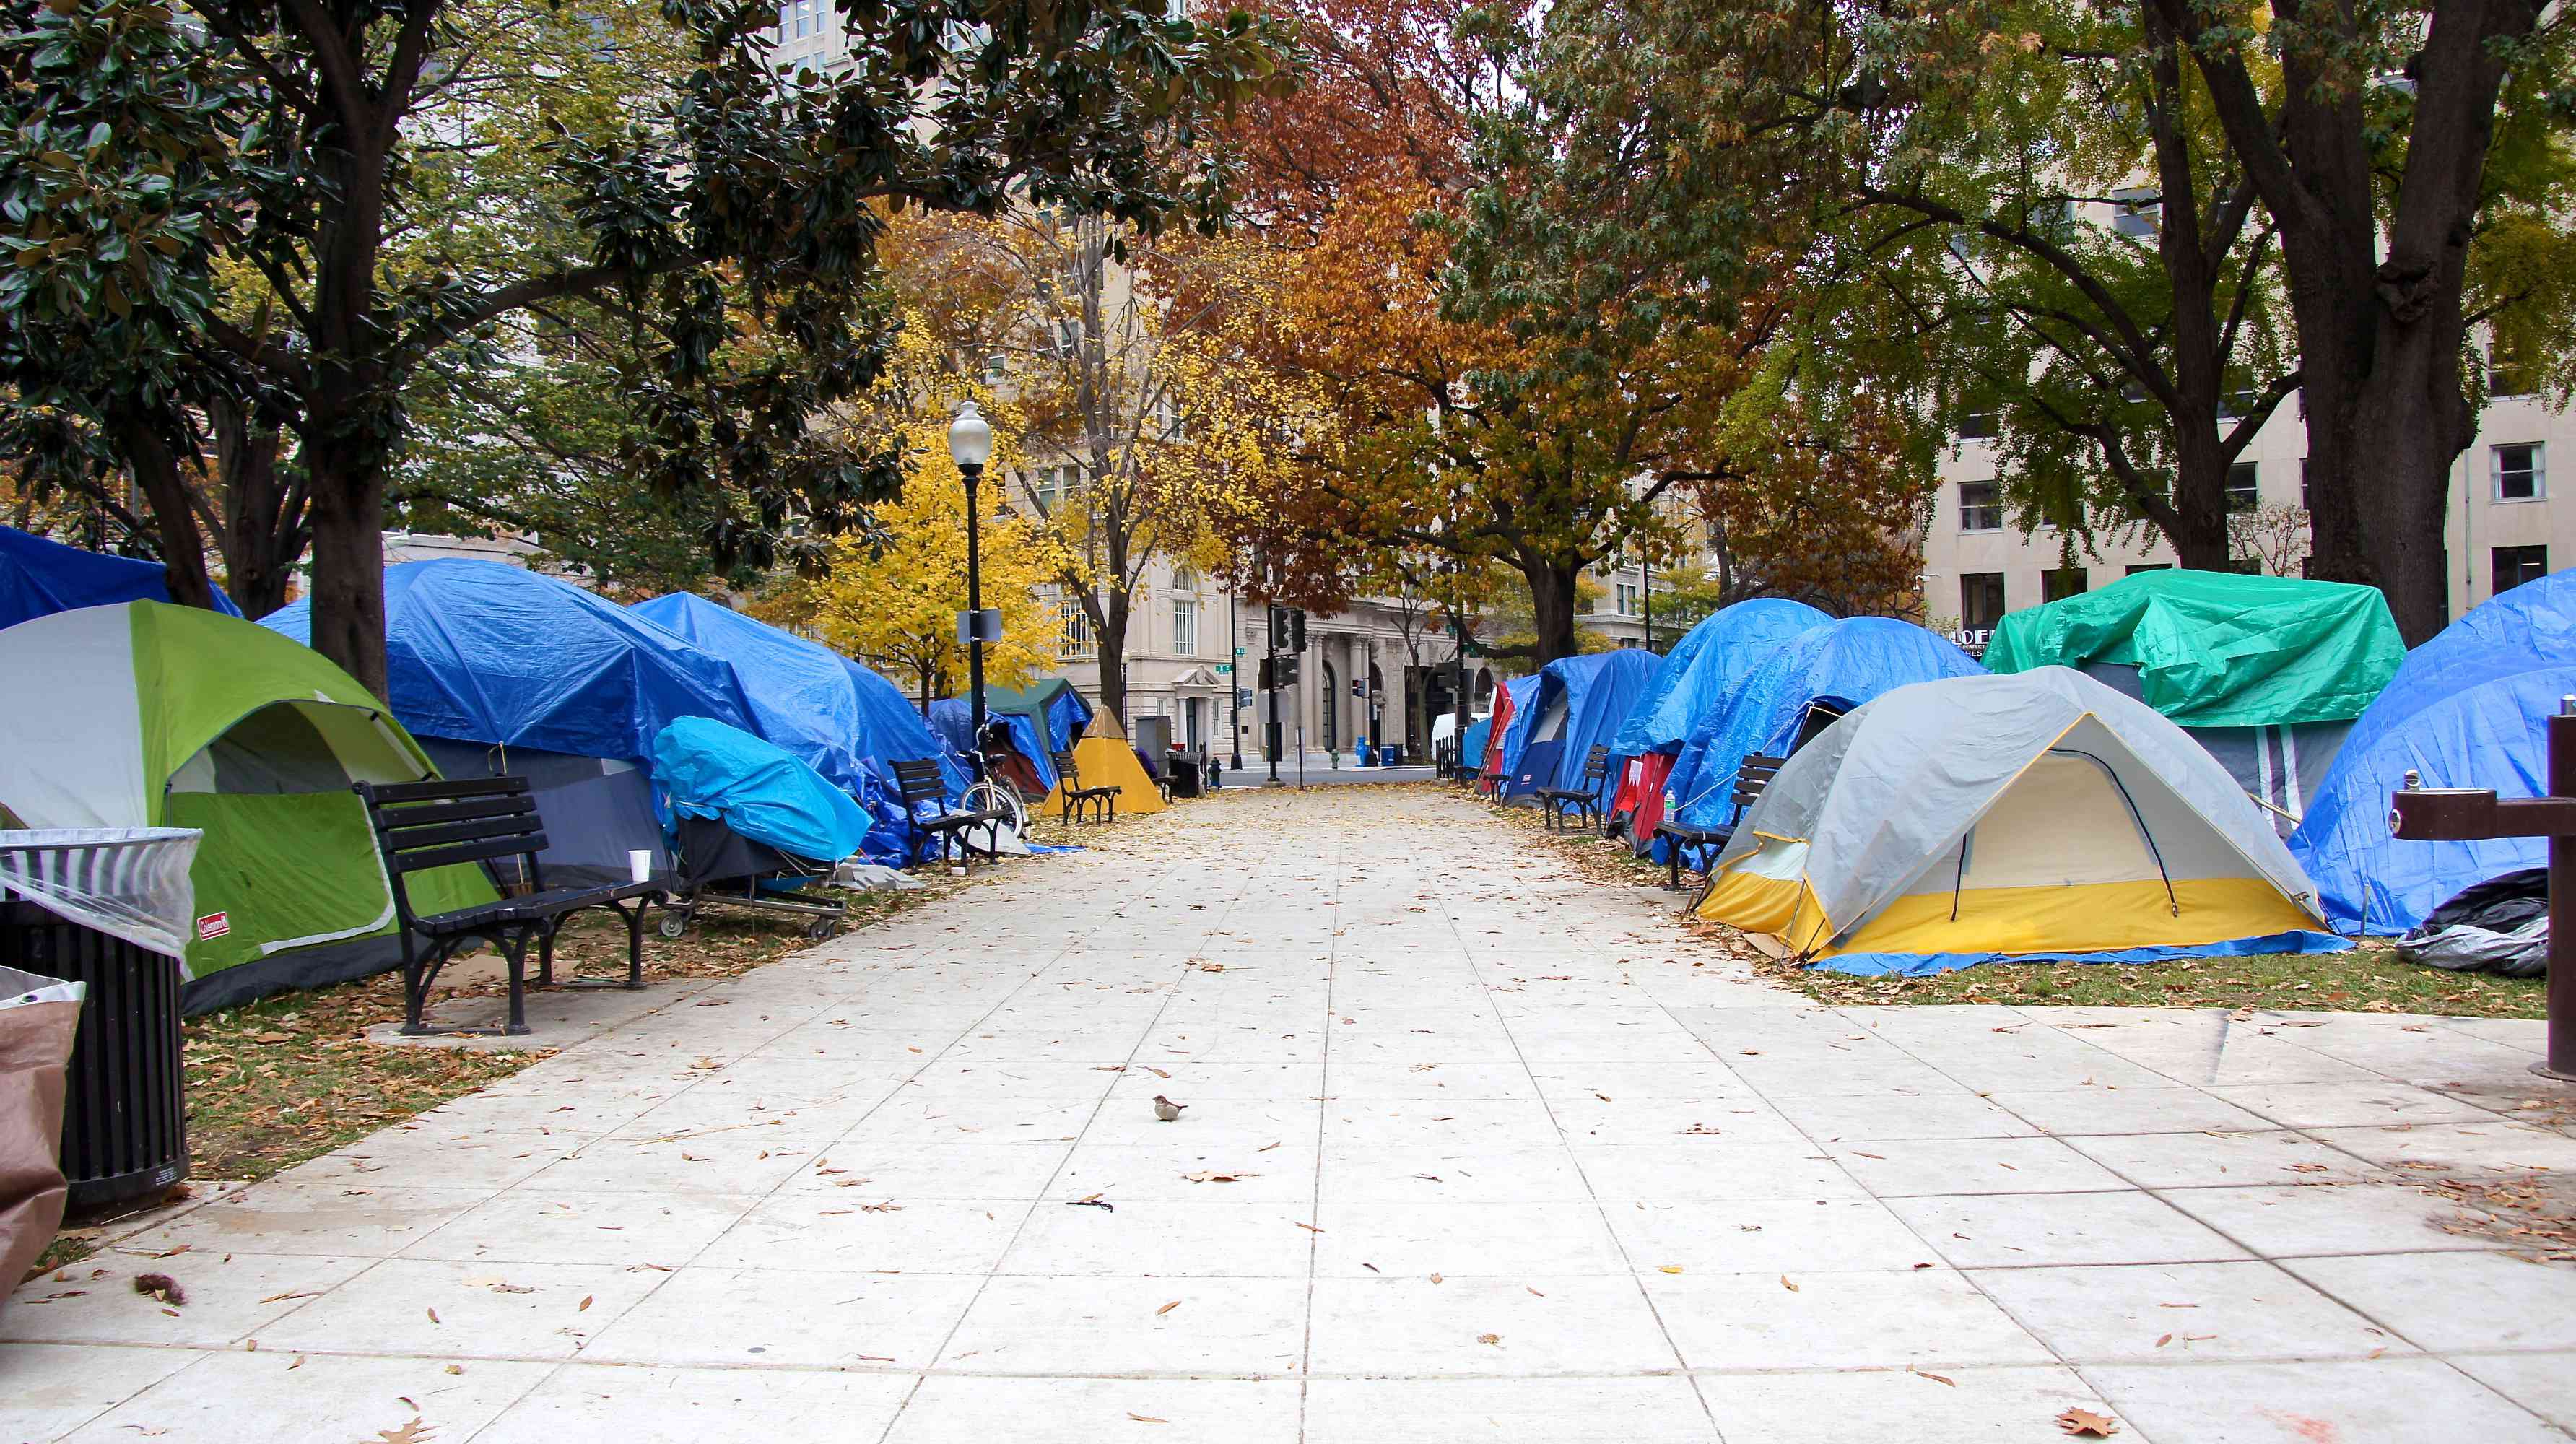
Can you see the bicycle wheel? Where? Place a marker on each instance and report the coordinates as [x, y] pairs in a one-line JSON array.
[[995, 797]]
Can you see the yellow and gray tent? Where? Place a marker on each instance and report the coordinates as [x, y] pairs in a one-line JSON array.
[[1980, 818]]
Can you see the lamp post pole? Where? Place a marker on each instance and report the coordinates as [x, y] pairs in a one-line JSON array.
[[970, 445]]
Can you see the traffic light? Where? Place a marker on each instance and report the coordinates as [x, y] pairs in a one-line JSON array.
[[1283, 677], [1296, 629]]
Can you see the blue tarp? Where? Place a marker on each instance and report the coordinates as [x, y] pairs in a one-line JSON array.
[[1704, 668], [836, 716], [483, 652], [1918, 965], [1840, 664], [757, 788], [40, 577], [1472, 742], [1579, 704], [2469, 708], [950, 721]]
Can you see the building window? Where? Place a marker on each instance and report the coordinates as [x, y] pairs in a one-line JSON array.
[[2510, 373], [1981, 600], [1167, 418], [2521, 473], [2150, 567], [1077, 632], [1185, 628], [1980, 425], [997, 369], [2243, 493], [1184, 579], [1627, 599], [2136, 213], [1981, 506], [2058, 583], [2516, 565]]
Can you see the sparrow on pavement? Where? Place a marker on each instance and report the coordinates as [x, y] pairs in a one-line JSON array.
[[1166, 1109]]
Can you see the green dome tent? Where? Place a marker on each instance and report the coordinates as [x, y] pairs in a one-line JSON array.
[[165, 716], [2266, 673]]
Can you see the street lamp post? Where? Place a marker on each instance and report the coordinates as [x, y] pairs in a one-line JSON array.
[[970, 445]]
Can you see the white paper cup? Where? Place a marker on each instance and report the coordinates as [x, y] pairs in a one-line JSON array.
[[639, 865]]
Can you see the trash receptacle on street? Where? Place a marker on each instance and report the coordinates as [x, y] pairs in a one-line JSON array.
[[109, 908]]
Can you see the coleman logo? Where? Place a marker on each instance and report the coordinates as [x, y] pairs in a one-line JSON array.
[[213, 925]]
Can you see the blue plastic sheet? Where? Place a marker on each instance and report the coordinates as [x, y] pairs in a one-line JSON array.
[[1916, 965], [1841, 664], [757, 788], [1516, 729], [479, 651], [2469, 708], [836, 716], [1599, 691], [950, 720], [39, 577], [1704, 668]]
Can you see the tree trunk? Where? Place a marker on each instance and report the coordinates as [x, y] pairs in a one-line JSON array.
[[1552, 587], [264, 523], [174, 517], [2198, 531], [349, 570], [1115, 613]]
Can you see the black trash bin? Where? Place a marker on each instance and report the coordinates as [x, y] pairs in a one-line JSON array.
[[107, 908], [125, 1124]]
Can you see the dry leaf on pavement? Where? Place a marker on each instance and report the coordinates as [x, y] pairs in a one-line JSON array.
[[414, 1432], [1167, 1308], [2088, 1424]]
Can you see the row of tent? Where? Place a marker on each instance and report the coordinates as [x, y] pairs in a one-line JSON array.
[[160, 715], [2181, 762]]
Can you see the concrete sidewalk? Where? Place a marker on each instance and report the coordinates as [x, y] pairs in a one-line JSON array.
[[1474, 1149]]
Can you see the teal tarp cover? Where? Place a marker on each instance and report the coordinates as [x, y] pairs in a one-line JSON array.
[[1704, 668], [39, 577], [1840, 664], [2219, 649], [2470, 708], [757, 788]]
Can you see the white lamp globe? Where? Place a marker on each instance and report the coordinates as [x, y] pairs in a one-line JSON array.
[[970, 437]]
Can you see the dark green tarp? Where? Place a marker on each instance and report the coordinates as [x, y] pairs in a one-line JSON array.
[[2218, 649]]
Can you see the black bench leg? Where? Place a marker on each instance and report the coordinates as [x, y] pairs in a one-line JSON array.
[[416, 980], [1673, 866], [546, 953], [635, 946], [517, 951]]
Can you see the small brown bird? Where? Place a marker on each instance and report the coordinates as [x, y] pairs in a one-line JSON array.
[[1166, 1109]]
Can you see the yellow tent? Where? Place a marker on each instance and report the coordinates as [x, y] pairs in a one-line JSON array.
[[1103, 759]]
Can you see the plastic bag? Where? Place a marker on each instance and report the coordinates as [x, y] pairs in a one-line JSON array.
[[128, 882], [38, 1018], [2500, 926]]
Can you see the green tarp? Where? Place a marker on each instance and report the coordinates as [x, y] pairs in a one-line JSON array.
[[2218, 649]]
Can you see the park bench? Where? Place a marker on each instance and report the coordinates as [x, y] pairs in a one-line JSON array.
[[918, 780], [1102, 801], [422, 825], [1750, 779], [1585, 800]]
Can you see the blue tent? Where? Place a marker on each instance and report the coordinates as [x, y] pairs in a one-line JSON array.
[[485, 652], [1578, 705], [760, 790], [1705, 666], [835, 716], [1803, 685], [1517, 692], [1472, 742], [40, 577], [2466, 709], [951, 721]]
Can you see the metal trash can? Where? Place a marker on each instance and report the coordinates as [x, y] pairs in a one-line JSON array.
[[108, 908]]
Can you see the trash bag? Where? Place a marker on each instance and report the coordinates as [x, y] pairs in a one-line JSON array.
[[2500, 926], [38, 1016]]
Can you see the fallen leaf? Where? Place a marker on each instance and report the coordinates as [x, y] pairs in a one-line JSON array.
[[1670, 1269], [1310, 1228], [2088, 1424], [1210, 1175], [1936, 1378], [1157, 1072], [585, 1304], [1167, 1308], [2163, 1339], [414, 1432], [456, 1368], [1147, 1419], [1534, 1293], [1435, 1278], [1784, 1283], [433, 1316], [1265, 1148], [1495, 1339]]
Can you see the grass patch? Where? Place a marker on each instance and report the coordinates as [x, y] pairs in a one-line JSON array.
[[2370, 978]]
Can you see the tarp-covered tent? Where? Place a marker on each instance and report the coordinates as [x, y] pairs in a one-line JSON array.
[[2266, 672], [1105, 758], [1986, 817], [1580, 704], [39, 577], [834, 715], [1029, 766], [2467, 709], [1700, 673], [1797, 692], [1510, 700], [163, 716], [502, 671], [1043, 718]]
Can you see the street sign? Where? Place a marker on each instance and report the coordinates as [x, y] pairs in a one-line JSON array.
[[1226, 669], [991, 629], [1238, 651]]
